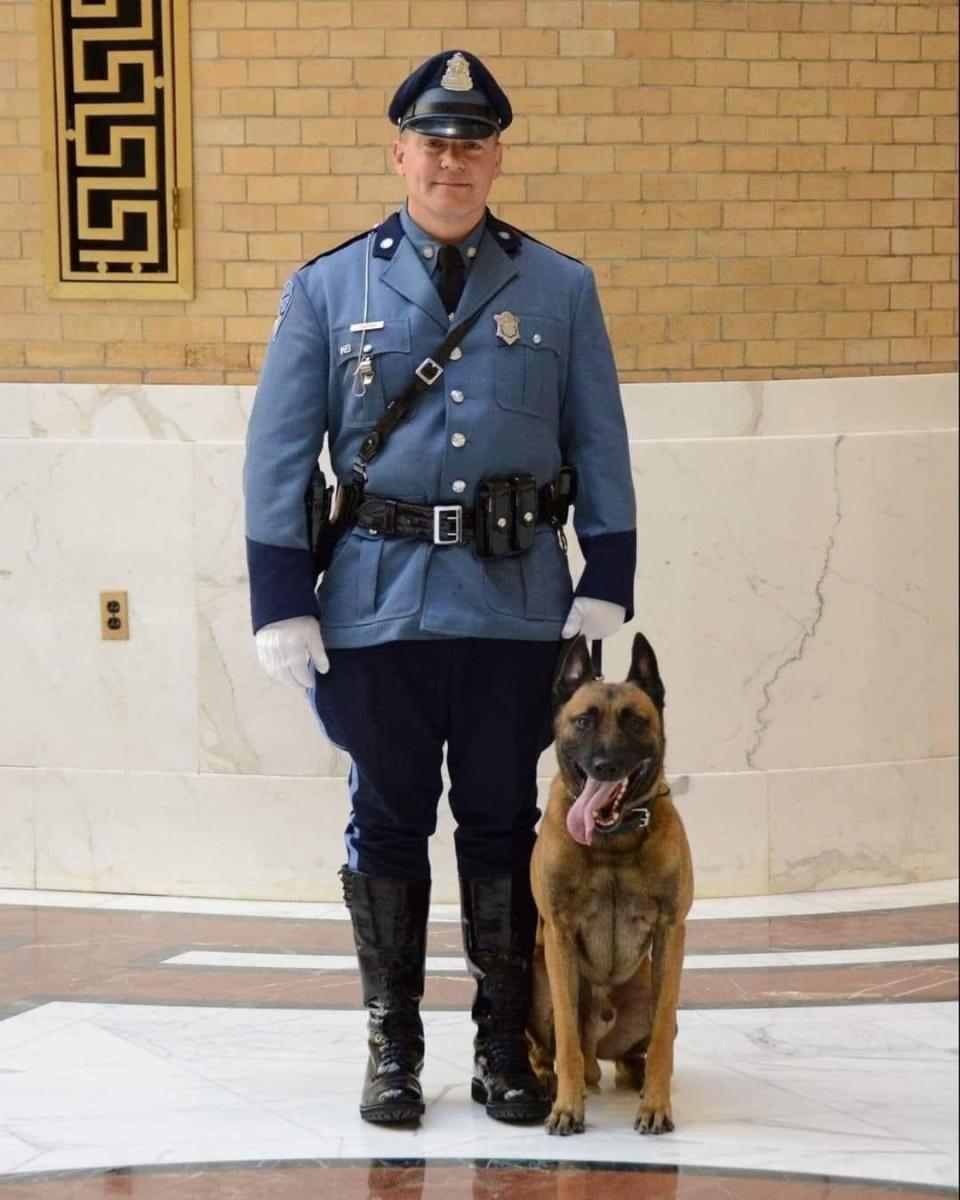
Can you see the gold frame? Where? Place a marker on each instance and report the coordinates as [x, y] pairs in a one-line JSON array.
[[177, 283]]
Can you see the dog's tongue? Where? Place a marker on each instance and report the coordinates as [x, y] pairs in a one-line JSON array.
[[581, 815]]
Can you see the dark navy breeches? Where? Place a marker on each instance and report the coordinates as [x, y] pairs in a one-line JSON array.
[[394, 707]]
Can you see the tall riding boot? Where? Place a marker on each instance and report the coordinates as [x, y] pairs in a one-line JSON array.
[[499, 928], [390, 930]]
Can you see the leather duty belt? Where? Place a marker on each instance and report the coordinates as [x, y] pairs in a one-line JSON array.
[[503, 520]]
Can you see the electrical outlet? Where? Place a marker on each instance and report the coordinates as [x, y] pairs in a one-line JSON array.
[[114, 624]]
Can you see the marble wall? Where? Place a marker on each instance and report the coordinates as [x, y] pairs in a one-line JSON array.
[[798, 580]]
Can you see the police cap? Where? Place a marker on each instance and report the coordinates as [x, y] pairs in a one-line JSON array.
[[451, 95]]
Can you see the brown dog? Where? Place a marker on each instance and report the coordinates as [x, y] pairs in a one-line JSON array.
[[613, 881]]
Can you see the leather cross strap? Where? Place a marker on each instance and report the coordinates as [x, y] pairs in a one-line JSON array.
[[428, 372]]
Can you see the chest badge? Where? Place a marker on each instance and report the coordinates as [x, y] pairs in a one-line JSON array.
[[508, 326]]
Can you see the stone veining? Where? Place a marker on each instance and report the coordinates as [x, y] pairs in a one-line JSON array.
[[809, 632]]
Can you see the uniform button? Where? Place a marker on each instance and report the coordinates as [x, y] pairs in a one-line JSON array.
[[456, 353], [458, 440], [427, 252], [386, 243], [458, 486], [472, 252], [456, 396], [537, 339]]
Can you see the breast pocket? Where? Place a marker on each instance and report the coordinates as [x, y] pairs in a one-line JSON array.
[[527, 371], [388, 350]]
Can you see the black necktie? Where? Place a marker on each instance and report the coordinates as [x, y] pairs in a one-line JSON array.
[[450, 281]]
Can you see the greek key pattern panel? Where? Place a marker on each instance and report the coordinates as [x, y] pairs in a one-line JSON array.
[[118, 156]]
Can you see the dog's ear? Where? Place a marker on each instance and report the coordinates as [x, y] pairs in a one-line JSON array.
[[645, 673], [574, 669]]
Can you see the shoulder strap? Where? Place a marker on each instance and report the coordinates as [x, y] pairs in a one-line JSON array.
[[428, 372]]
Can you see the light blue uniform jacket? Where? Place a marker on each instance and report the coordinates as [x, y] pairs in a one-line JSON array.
[[550, 398]]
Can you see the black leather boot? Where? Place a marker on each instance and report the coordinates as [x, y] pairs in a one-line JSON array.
[[499, 928], [390, 930]]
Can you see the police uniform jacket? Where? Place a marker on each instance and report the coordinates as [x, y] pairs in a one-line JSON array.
[[499, 409]]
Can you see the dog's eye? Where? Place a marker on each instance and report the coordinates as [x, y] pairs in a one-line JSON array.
[[584, 721]]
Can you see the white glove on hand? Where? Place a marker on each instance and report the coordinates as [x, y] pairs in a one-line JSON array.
[[289, 650], [593, 618]]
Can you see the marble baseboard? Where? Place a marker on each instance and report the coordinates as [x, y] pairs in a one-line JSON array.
[[280, 838]]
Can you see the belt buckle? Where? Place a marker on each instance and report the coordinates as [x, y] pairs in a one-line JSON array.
[[447, 524], [429, 371]]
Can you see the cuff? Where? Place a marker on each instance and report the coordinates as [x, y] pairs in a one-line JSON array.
[[611, 563], [282, 583]]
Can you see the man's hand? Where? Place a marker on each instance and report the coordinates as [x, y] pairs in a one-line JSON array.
[[289, 650], [593, 618]]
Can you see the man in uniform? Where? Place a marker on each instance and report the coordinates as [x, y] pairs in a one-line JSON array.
[[438, 621]]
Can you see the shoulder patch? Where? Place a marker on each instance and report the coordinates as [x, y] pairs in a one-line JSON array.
[[286, 299]]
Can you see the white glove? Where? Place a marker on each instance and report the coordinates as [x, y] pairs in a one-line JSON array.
[[289, 650], [593, 618]]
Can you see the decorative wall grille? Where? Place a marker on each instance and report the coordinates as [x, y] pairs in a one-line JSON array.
[[117, 148]]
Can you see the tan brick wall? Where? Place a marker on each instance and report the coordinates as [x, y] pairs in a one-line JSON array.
[[763, 188]]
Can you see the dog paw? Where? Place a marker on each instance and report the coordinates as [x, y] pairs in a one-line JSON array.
[[564, 1121], [653, 1118]]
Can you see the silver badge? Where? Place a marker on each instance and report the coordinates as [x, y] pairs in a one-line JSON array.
[[508, 326], [456, 78]]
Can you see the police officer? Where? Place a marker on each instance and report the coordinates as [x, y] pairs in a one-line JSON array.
[[437, 622]]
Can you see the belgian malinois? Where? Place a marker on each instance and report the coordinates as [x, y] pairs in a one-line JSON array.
[[612, 878]]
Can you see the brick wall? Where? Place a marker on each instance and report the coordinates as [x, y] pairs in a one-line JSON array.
[[763, 188]]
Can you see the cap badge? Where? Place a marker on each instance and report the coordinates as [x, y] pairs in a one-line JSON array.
[[456, 78], [508, 327]]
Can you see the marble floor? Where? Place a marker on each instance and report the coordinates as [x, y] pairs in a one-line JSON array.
[[160, 1048]]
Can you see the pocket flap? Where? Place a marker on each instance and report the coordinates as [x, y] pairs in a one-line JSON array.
[[394, 337], [537, 333]]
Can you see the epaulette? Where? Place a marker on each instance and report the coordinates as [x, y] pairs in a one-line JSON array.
[[343, 245], [554, 249], [511, 238]]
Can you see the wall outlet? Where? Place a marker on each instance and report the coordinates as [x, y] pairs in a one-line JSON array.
[[114, 624]]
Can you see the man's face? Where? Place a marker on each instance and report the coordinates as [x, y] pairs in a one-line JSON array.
[[448, 179]]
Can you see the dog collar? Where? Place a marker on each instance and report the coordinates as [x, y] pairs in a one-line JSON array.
[[639, 818]]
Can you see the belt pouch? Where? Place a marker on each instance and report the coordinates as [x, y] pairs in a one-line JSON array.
[[524, 516], [494, 518]]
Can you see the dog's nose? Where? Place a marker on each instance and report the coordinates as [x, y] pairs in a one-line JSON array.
[[606, 769]]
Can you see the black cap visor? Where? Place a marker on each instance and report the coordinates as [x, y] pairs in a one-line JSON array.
[[464, 122]]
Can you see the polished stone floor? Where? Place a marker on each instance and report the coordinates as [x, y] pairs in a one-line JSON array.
[[155, 1048]]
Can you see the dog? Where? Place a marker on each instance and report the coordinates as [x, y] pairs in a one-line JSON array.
[[613, 881]]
